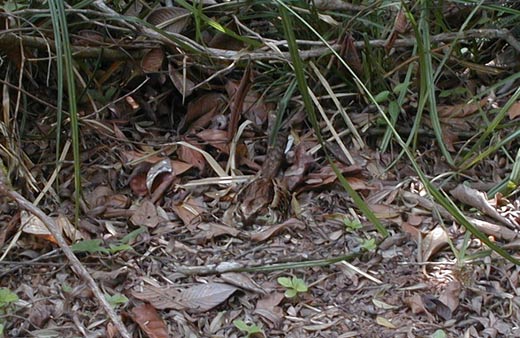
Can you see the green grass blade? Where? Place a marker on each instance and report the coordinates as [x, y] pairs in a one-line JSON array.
[[64, 57], [309, 106]]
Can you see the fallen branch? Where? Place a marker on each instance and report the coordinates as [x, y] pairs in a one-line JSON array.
[[77, 267], [213, 269]]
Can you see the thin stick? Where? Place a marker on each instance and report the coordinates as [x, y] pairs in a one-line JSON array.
[[77, 267]]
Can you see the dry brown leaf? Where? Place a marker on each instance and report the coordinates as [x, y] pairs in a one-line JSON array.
[[416, 304], [171, 19], [184, 85], [34, 226], [350, 54], [213, 230], [204, 297], [479, 200], [189, 209], [201, 111], [272, 230], [191, 156], [161, 167], [460, 110], [242, 281], [514, 111], [160, 297], [254, 108], [146, 215], [98, 196], [149, 321], [383, 211], [433, 305], [450, 295], [294, 175], [216, 138], [433, 242], [268, 308], [153, 60]]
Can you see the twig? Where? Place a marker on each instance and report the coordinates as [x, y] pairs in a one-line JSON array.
[[213, 269], [78, 268]]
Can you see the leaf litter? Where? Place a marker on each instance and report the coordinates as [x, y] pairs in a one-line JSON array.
[[416, 285]]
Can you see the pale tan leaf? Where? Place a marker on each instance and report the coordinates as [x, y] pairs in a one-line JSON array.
[[514, 110], [146, 215], [385, 322], [161, 167], [160, 297], [201, 298], [433, 242], [274, 229]]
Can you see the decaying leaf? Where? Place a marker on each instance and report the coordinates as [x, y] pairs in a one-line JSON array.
[[201, 298], [153, 60], [161, 167], [146, 215], [171, 19], [160, 297], [271, 230], [149, 321], [433, 242]]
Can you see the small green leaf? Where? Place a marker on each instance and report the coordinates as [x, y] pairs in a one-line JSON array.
[[90, 246], [66, 288], [369, 244], [290, 293], [299, 285], [439, 334], [285, 282], [7, 297], [383, 96], [241, 325], [116, 299], [133, 235], [117, 248]]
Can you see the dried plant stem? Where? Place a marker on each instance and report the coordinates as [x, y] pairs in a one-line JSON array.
[[77, 267], [116, 53]]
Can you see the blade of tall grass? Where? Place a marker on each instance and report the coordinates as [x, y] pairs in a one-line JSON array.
[[66, 71], [305, 92], [438, 196]]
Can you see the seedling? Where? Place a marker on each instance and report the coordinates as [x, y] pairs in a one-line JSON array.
[[293, 286], [115, 300], [369, 244], [251, 331], [352, 224], [7, 297]]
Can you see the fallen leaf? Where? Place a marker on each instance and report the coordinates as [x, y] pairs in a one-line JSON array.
[[242, 281], [271, 230], [149, 321], [192, 156], [153, 60], [450, 295], [433, 242], [479, 200], [171, 19], [161, 167], [146, 214], [385, 322], [160, 297], [189, 209], [201, 298], [514, 110]]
